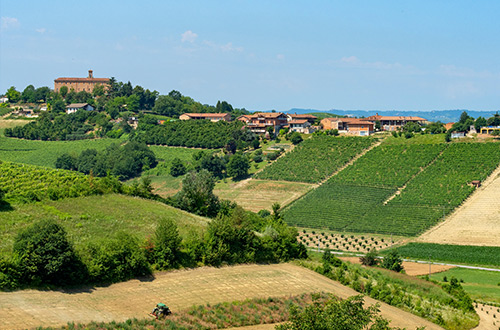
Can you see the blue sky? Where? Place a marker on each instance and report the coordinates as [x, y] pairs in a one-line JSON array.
[[261, 55]]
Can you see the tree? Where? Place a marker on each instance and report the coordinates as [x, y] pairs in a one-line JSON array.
[[28, 95], [393, 261], [177, 168], [13, 95], [494, 121], [64, 91], [333, 314], [296, 138], [231, 146], [58, 106], [378, 125], [255, 143], [86, 161], [166, 244], [435, 128], [238, 166], [66, 162], [480, 122], [370, 259], [196, 195], [46, 256]]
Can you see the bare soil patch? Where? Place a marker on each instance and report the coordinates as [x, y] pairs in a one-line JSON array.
[[256, 195], [179, 290], [476, 222], [489, 317], [411, 268]]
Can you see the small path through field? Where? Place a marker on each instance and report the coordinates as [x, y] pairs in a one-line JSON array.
[[476, 222], [179, 290]]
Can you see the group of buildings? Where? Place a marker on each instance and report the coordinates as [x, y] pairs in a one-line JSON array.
[[272, 122]]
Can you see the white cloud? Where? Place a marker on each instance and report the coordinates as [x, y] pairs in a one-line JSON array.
[[280, 57], [41, 30], [9, 23], [350, 60], [230, 48], [453, 71], [188, 36]]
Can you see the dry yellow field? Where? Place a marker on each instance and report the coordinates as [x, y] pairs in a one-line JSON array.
[[179, 290], [256, 195]]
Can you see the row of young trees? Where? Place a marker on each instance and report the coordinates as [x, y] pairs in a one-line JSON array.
[[43, 254]]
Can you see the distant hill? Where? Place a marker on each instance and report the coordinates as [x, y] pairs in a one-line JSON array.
[[444, 116]]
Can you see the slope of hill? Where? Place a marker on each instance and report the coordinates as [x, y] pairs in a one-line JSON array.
[[180, 290], [397, 189], [95, 217]]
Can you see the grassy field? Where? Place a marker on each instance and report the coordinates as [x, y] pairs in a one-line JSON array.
[[45, 153], [479, 284], [463, 254], [91, 218]]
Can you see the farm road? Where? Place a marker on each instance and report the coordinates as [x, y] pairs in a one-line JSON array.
[[179, 290]]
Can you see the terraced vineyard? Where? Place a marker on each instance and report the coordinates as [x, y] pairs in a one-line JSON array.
[[433, 179], [315, 159], [27, 183]]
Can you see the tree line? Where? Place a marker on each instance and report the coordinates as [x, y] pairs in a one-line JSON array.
[[44, 256]]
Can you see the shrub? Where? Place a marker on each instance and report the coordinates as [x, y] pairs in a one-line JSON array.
[[166, 244]]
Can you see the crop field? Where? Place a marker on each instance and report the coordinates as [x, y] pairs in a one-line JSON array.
[[463, 254], [45, 153], [396, 189], [95, 217], [179, 290], [481, 285], [27, 183], [315, 159]]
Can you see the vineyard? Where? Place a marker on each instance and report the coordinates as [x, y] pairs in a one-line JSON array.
[[475, 255], [315, 159], [27, 183], [433, 179]]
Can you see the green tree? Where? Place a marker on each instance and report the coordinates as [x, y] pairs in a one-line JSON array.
[[13, 95], [494, 121], [334, 314], [63, 91], [370, 259], [296, 138], [66, 162], [480, 122], [58, 106], [46, 256], [393, 261], [166, 244], [177, 168], [196, 195], [28, 95], [238, 166]]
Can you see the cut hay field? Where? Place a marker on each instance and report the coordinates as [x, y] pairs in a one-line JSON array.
[[256, 195], [179, 290], [476, 222], [96, 217]]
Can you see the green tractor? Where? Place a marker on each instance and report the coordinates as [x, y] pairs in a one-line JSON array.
[[161, 311]]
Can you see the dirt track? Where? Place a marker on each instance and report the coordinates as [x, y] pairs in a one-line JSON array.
[[179, 289]]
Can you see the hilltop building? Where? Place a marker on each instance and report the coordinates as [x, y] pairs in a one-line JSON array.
[[351, 126], [259, 122], [393, 123], [74, 107], [80, 84]]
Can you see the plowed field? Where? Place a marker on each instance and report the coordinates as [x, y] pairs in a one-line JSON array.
[[178, 289]]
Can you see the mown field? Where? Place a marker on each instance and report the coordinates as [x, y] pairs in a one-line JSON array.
[[481, 285], [462, 254], [396, 189], [96, 217], [315, 159]]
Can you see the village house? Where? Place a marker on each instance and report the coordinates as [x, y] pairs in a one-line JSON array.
[[259, 122], [4, 99], [210, 116], [293, 116], [74, 107], [489, 129], [393, 123], [351, 126], [80, 84]]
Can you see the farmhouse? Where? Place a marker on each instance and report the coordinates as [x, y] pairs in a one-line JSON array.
[[393, 123], [351, 126], [260, 122], [300, 125], [210, 116], [293, 116], [490, 129], [458, 135], [80, 84], [74, 107]]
